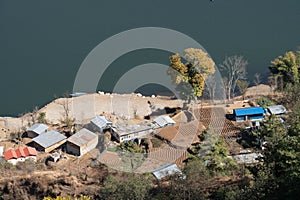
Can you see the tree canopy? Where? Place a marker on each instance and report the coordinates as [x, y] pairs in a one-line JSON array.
[[287, 68], [190, 77]]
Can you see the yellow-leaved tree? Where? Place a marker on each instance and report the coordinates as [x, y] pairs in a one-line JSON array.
[[190, 77]]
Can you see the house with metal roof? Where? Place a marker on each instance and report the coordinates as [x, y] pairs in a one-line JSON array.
[[20, 155], [36, 129], [125, 132], [167, 170], [82, 142], [277, 109], [251, 113], [164, 120], [100, 123], [48, 141]]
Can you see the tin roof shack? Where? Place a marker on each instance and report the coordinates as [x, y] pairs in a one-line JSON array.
[[20, 155], [36, 130], [252, 114], [48, 141], [277, 110], [163, 121], [167, 170], [125, 132], [100, 124], [82, 142]]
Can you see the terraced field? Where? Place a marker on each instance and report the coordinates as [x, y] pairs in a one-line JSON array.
[[214, 119]]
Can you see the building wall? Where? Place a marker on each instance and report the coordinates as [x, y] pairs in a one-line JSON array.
[[89, 146], [73, 149], [13, 161], [31, 134], [51, 148]]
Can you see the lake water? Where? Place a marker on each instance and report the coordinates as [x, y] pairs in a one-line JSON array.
[[42, 44]]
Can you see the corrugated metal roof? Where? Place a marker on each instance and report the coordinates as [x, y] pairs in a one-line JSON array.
[[247, 158], [101, 121], [166, 170], [49, 138], [164, 120], [82, 137], [29, 151], [20, 153], [248, 111], [277, 109], [38, 128]]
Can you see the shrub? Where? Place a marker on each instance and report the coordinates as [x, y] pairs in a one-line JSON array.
[[264, 102]]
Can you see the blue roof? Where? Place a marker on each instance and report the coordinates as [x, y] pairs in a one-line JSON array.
[[249, 111]]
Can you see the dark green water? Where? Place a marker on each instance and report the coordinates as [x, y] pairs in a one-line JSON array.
[[42, 43]]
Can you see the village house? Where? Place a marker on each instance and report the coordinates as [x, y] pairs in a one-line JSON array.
[[36, 130], [276, 110], [48, 141], [82, 142], [100, 124], [167, 170], [163, 121], [252, 114], [20, 155], [127, 132]]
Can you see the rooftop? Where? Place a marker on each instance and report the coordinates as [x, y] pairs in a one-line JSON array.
[[248, 111], [19, 153], [82, 137], [38, 128], [101, 121], [124, 128], [164, 120], [49, 138], [277, 109], [166, 170]]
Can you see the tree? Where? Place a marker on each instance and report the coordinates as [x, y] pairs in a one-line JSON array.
[[257, 79], [131, 187], [287, 67], [281, 156], [235, 69], [190, 77], [42, 118], [242, 86]]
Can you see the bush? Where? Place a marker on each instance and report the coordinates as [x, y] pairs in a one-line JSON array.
[[264, 102], [156, 142]]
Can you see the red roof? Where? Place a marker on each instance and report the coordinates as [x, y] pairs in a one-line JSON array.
[[10, 154], [20, 153], [29, 151]]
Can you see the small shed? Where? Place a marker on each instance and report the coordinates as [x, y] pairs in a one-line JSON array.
[[164, 120], [82, 142], [277, 109], [48, 141], [252, 114], [36, 130], [167, 170], [100, 123]]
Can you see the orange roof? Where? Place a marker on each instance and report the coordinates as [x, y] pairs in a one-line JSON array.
[[20, 153], [29, 151], [10, 154]]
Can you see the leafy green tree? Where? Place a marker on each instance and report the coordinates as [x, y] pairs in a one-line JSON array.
[[287, 67], [281, 156], [190, 77], [264, 102], [42, 118], [132, 186]]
